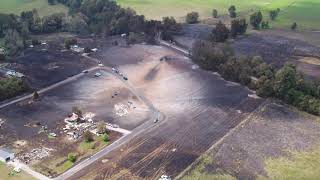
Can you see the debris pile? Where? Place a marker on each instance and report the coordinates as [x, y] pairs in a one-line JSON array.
[[35, 154], [1, 122], [76, 126], [123, 109]]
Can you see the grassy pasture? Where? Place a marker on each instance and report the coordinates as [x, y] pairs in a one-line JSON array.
[[304, 12], [17, 6]]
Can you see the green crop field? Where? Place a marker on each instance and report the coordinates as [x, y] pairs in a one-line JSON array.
[[304, 12], [17, 6]]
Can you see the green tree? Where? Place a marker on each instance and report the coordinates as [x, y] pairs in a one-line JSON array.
[[256, 19], [35, 96], [294, 26], [285, 79], [72, 157], [265, 25], [13, 42], [232, 11], [215, 13], [69, 42], [220, 33], [238, 26], [192, 17], [105, 137], [101, 127], [87, 135]]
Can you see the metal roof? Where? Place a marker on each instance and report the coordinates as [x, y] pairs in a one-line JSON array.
[[4, 153]]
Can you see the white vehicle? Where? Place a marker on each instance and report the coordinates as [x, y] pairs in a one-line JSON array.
[[164, 177], [100, 64], [97, 74]]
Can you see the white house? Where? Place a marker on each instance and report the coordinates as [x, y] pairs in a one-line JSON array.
[[6, 155]]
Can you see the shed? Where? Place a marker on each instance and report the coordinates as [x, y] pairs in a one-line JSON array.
[[6, 155]]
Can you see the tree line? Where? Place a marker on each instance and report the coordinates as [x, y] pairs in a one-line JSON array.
[[101, 17], [285, 83]]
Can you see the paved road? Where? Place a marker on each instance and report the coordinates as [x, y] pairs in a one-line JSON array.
[[48, 88], [156, 115], [124, 139]]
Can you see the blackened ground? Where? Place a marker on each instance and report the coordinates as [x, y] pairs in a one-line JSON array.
[[200, 108]]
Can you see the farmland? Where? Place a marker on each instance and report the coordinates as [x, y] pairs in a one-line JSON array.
[[17, 6], [301, 11]]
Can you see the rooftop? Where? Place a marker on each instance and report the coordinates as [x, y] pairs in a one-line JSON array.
[[5, 152]]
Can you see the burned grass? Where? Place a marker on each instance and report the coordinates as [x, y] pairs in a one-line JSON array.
[[200, 108], [263, 146]]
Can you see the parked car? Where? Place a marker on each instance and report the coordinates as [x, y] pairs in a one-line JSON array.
[[97, 74], [125, 78]]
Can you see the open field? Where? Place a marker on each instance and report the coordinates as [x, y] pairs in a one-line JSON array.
[[277, 142], [304, 12], [17, 6]]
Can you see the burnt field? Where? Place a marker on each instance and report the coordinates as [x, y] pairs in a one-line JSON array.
[[105, 97], [275, 46], [199, 107], [49, 63], [260, 147]]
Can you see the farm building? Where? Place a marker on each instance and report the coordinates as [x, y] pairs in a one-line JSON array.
[[6, 155]]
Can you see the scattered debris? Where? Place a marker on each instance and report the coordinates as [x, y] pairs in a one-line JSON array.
[[20, 143], [1, 122], [76, 48], [195, 67], [35, 155], [12, 73], [165, 177], [123, 109], [94, 49], [76, 126], [253, 96], [53, 134], [104, 160]]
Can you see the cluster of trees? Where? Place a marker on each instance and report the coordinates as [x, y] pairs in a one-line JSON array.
[[169, 27], [15, 30], [11, 87], [104, 16], [86, 16], [192, 17], [285, 83], [221, 33]]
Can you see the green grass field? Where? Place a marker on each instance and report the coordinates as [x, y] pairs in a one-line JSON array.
[[17, 6], [304, 12]]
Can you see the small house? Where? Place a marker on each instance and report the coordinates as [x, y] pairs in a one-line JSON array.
[[6, 155]]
